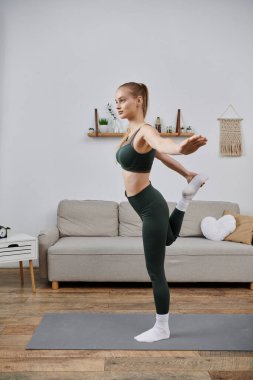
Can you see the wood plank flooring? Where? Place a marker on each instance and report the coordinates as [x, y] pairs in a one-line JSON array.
[[21, 311]]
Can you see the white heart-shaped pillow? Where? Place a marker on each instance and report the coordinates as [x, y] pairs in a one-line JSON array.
[[218, 229]]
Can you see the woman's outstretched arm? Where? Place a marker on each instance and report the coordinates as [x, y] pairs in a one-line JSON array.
[[167, 145], [175, 165]]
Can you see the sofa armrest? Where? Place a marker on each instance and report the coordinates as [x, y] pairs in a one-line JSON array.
[[46, 239]]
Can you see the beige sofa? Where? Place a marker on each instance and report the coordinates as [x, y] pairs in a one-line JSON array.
[[98, 240]]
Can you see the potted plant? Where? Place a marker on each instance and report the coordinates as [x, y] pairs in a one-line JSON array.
[[103, 124], [189, 129]]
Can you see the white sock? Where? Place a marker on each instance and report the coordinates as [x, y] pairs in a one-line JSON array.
[[159, 331], [182, 204], [190, 190]]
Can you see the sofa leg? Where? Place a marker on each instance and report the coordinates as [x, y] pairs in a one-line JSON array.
[[251, 286], [55, 285]]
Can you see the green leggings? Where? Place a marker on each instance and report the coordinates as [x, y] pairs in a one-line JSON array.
[[158, 231]]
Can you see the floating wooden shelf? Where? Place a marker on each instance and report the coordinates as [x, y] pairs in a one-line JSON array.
[[96, 133], [110, 134]]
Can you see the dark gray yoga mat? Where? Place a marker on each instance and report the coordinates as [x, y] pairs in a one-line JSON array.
[[91, 331]]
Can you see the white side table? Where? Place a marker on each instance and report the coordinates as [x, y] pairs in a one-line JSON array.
[[20, 247]]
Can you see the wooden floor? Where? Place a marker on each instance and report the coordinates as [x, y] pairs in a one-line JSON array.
[[21, 311]]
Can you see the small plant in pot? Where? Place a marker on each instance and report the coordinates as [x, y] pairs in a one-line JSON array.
[[103, 125]]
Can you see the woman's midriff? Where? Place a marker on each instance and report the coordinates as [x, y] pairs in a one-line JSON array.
[[135, 182]]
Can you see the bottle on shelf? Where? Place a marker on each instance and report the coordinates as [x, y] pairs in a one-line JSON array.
[[158, 124]]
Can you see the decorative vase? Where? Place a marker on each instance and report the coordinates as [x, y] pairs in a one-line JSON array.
[[115, 126]]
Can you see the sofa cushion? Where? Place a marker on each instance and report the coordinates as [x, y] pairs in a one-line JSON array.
[[130, 224], [217, 229], [244, 228], [87, 218], [120, 245], [197, 210]]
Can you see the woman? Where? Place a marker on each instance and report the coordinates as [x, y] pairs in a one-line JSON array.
[[158, 229]]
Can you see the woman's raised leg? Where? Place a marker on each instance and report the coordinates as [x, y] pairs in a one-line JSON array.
[[177, 216]]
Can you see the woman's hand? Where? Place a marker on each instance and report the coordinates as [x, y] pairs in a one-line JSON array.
[[192, 144]]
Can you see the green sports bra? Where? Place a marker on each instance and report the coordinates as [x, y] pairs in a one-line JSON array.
[[133, 161]]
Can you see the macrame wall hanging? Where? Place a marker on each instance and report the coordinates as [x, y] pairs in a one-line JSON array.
[[230, 134]]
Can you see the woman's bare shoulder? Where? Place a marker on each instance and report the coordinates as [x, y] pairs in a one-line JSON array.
[[151, 136], [149, 127], [148, 130]]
